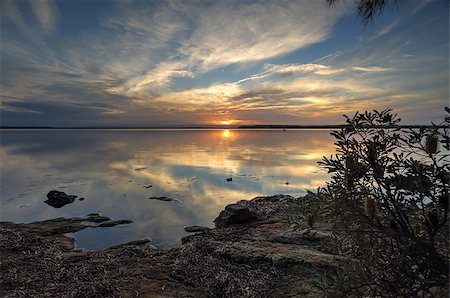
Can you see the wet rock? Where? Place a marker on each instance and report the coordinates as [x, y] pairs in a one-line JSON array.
[[58, 199], [229, 179], [98, 218], [195, 229], [164, 198], [237, 213], [94, 214], [113, 223]]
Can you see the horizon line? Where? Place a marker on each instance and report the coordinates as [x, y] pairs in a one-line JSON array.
[[249, 126]]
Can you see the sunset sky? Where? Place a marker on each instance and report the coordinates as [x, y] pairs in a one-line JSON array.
[[158, 63]]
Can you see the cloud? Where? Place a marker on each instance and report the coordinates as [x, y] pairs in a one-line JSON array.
[[386, 29], [370, 69], [291, 69], [294, 68], [46, 13], [12, 13], [178, 62], [239, 33], [159, 77]]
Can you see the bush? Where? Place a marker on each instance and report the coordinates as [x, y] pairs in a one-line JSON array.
[[388, 199]]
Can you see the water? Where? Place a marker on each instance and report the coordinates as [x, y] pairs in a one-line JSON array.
[[110, 169]]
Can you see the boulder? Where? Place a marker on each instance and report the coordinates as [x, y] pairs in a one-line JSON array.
[[237, 213], [58, 199]]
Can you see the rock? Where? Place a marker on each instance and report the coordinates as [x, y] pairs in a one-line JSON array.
[[148, 186], [229, 179], [132, 243], [267, 257], [195, 229], [113, 223], [58, 199], [163, 198], [98, 218], [278, 254], [93, 214], [234, 214]]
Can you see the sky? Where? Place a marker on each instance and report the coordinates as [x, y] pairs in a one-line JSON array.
[[164, 63]]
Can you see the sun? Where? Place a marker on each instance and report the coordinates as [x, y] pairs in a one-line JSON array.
[[229, 122]]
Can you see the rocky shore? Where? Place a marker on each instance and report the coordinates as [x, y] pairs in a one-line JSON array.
[[253, 251]]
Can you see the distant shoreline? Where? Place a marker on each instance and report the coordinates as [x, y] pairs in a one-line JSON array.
[[257, 126]]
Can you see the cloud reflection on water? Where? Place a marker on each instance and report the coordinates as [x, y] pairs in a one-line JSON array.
[[189, 165]]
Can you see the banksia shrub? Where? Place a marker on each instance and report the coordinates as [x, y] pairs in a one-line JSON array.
[[389, 203]]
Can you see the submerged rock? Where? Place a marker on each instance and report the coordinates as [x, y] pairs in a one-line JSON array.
[[113, 223], [234, 214], [58, 199], [164, 198]]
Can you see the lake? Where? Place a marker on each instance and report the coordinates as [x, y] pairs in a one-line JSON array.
[[113, 171]]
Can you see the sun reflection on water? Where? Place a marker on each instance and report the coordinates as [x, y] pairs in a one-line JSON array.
[[226, 134], [119, 170]]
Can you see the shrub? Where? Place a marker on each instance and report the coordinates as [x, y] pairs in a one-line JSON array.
[[389, 198]]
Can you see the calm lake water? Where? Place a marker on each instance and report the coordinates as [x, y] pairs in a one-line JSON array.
[[110, 169]]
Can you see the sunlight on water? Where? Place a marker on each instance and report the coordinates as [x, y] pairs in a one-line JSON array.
[[117, 171]]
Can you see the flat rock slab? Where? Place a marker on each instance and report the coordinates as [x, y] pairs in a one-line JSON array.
[[278, 254], [54, 229]]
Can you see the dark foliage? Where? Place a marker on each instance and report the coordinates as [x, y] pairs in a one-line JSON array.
[[367, 9], [389, 199]]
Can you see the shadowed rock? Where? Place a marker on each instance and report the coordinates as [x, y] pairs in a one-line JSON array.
[[234, 214], [58, 199]]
